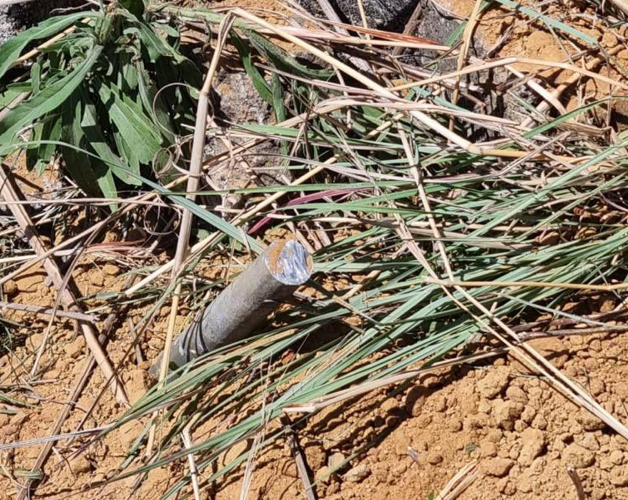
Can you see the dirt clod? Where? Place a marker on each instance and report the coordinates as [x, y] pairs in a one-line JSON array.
[[533, 443], [497, 467], [578, 457], [357, 474], [494, 383]]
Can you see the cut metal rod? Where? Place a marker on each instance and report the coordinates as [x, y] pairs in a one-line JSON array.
[[246, 303]]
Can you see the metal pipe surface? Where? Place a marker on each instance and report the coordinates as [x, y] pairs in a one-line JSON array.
[[246, 303]]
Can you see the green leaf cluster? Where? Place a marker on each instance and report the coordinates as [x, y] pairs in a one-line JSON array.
[[94, 97]]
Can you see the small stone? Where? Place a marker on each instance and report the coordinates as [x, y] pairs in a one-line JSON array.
[[335, 460], [434, 458], [415, 399], [323, 475], [478, 421], [494, 435], [528, 414], [400, 444], [539, 422], [400, 469], [468, 404], [595, 345], [315, 456], [389, 405], [497, 467], [75, 348], [440, 404], [10, 288], [488, 449], [36, 339], [289, 469], [508, 488], [588, 421], [455, 425], [597, 387], [423, 421], [590, 442], [357, 474], [619, 476], [578, 457], [616, 457], [97, 279], [80, 465], [506, 412], [609, 40], [533, 443], [517, 395], [111, 270], [494, 383]]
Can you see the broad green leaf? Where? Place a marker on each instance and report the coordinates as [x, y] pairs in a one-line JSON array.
[[89, 177], [97, 142], [154, 105], [136, 129], [12, 92], [10, 51], [48, 131], [48, 99]]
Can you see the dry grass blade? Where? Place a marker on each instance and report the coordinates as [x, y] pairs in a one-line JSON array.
[[575, 479], [196, 166], [66, 297], [48, 312], [299, 458], [459, 483], [467, 36]]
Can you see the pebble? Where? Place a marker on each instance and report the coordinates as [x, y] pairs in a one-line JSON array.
[[488, 449], [323, 475], [590, 442], [494, 383], [506, 412], [539, 422], [588, 421], [434, 458], [111, 270], [334, 460], [619, 476], [517, 395], [80, 465], [440, 404], [577, 456], [10, 288], [609, 40], [389, 405], [494, 435], [357, 474], [497, 467], [616, 457], [400, 444], [74, 348], [455, 425]]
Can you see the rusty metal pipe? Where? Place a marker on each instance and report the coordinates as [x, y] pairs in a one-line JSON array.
[[246, 303]]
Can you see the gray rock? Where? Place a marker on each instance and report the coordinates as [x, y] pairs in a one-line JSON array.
[[388, 15], [17, 17]]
